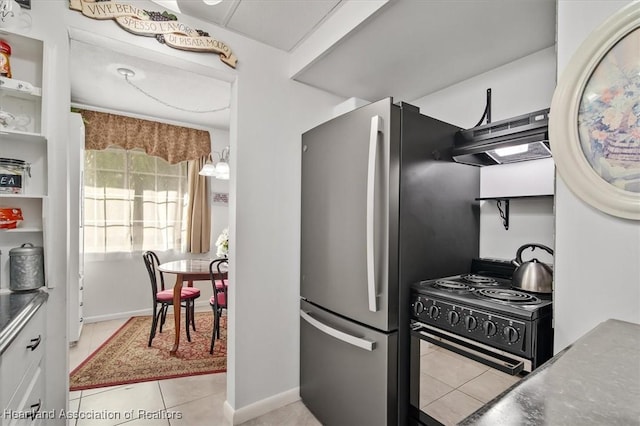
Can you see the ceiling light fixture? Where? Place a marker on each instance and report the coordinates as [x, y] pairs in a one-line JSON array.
[[211, 2], [221, 169], [129, 74]]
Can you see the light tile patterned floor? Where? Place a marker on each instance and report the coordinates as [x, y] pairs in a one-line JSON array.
[[186, 401], [453, 386]]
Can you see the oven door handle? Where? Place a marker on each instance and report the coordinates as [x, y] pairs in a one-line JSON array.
[[511, 365]]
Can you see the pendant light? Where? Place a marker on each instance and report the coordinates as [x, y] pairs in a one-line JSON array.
[[221, 169], [208, 169]]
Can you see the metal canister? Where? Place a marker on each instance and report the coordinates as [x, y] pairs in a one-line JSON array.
[[26, 267]]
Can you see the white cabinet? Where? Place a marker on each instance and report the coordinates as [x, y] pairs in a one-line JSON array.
[[22, 390], [75, 244], [22, 139]]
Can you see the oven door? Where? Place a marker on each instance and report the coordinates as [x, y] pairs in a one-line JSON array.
[[430, 392], [487, 355]]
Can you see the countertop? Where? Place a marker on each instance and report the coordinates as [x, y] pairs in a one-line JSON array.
[[595, 381], [16, 309]]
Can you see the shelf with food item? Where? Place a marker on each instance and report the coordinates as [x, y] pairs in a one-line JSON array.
[[21, 81], [23, 168], [21, 216]]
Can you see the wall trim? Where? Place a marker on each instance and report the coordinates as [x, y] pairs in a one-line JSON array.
[[200, 307], [261, 407]]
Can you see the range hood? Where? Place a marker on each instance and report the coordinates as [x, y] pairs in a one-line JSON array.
[[520, 138]]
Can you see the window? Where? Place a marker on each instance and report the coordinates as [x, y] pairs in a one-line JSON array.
[[133, 202]]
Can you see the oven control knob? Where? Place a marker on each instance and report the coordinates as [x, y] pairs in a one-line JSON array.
[[453, 317], [470, 322], [418, 307], [490, 328], [511, 334], [434, 311]]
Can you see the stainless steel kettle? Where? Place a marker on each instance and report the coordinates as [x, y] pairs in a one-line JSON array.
[[533, 275]]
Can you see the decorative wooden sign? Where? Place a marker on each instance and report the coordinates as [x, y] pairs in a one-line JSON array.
[[163, 26]]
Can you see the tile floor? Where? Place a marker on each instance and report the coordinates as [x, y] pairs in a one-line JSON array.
[[186, 401], [452, 386]]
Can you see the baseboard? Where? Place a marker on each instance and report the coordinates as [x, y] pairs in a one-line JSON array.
[[251, 411], [200, 307], [116, 315]]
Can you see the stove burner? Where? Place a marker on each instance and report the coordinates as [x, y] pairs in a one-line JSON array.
[[508, 296], [452, 285], [479, 280]]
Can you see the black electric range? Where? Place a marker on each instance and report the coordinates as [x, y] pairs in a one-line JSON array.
[[480, 315]]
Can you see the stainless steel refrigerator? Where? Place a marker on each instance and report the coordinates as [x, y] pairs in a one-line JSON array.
[[383, 205]]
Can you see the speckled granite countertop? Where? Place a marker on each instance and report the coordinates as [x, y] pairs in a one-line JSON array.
[[595, 381], [16, 309]]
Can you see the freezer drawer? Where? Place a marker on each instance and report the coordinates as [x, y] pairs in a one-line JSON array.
[[348, 372]]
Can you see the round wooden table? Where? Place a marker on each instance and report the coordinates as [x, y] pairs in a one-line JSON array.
[[188, 270]]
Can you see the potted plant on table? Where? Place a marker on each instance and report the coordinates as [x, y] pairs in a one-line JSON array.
[[222, 243]]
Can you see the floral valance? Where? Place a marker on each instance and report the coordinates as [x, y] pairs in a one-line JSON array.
[[173, 143]]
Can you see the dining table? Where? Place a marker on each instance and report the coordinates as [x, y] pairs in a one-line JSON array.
[[188, 270]]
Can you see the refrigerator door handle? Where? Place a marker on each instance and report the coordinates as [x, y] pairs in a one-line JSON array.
[[340, 335], [376, 127]]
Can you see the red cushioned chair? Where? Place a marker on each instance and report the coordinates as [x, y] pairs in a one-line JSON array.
[[164, 298], [218, 274]]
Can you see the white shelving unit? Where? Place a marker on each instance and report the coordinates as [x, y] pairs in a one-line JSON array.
[[22, 96]]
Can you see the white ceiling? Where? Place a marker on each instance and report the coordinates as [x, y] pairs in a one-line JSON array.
[[95, 82], [416, 47], [407, 49], [279, 23]]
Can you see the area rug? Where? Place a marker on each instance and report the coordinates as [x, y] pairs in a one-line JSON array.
[[125, 357]]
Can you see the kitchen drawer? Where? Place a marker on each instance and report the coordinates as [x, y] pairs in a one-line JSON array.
[[348, 372], [24, 352], [29, 400]]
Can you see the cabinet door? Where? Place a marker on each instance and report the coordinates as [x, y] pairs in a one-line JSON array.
[[25, 351], [75, 264], [32, 401]]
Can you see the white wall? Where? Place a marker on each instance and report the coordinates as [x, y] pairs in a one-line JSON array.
[[219, 212], [269, 112], [530, 219], [597, 273], [520, 87], [272, 112]]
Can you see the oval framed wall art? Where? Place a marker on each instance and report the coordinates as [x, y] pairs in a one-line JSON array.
[[594, 123]]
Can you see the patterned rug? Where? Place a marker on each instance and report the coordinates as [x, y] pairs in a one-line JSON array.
[[125, 357]]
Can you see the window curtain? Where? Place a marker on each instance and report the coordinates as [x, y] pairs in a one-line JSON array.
[[172, 143], [199, 213]]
